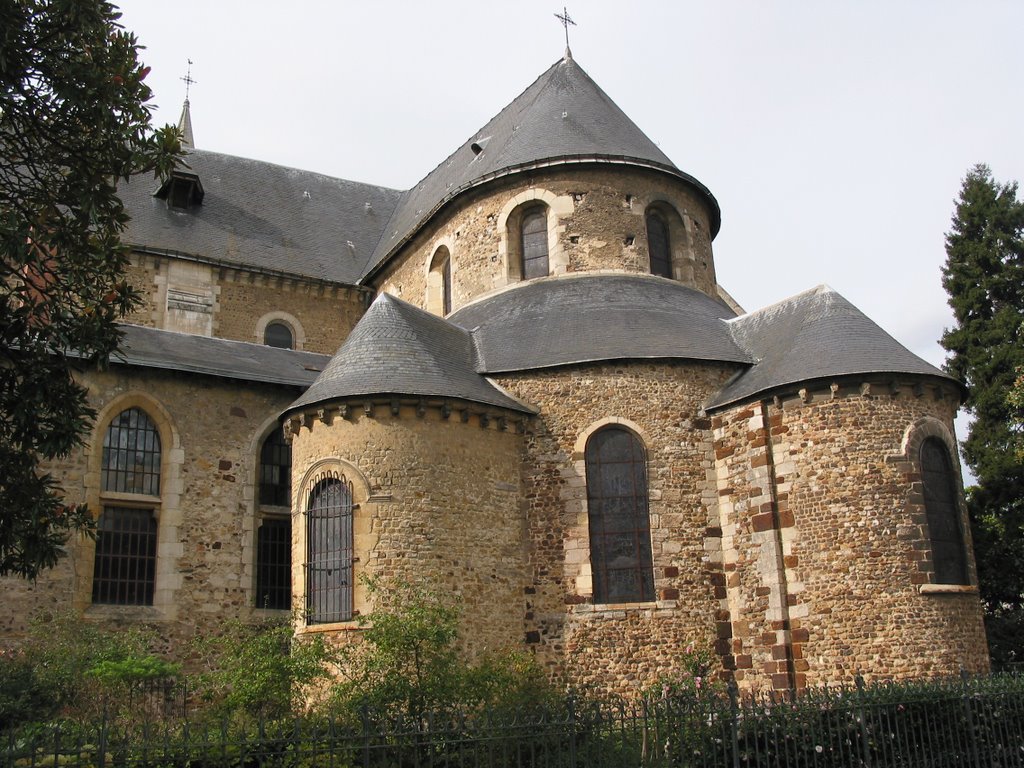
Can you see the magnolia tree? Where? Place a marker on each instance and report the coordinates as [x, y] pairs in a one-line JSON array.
[[74, 121]]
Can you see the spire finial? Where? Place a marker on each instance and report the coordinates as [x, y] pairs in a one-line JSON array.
[[187, 79], [566, 22]]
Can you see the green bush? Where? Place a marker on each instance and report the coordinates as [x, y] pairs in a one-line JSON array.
[[260, 670]]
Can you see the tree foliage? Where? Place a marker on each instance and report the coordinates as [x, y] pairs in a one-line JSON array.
[[73, 122], [984, 276]]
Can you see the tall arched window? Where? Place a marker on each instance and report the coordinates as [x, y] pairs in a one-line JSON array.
[[329, 551], [658, 244], [124, 569], [620, 528], [534, 230], [278, 334], [949, 558], [439, 282], [274, 534]]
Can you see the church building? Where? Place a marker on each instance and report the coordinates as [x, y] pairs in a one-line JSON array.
[[520, 382]]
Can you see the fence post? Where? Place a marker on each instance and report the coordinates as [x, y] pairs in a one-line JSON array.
[[572, 732], [865, 744], [971, 731], [103, 737], [734, 721]]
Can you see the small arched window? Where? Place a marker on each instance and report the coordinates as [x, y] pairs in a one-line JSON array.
[[278, 334], [534, 232], [124, 569], [617, 510], [274, 534], [658, 244], [949, 558], [329, 552]]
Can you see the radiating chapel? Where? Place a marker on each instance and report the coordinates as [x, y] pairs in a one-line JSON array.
[[521, 382]]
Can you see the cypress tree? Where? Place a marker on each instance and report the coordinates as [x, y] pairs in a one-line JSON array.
[[984, 277]]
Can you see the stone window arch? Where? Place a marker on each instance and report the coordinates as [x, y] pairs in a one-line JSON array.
[[317, 489], [935, 506], [273, 523], [274, 328], [133, 484], [439, 282], [940, 491], [544, 256], [618, 516], [667, 242]]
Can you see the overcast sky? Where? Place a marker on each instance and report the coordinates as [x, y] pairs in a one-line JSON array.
[[834, 134]]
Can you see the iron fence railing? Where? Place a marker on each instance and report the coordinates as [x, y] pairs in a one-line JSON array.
[[977, 722]]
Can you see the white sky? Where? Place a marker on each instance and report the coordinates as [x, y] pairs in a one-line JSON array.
[[834, 134]]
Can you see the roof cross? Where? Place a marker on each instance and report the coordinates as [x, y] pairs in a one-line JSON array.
[[566, 21], [187, 79]]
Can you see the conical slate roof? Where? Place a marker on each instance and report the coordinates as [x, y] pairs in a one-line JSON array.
[[812, 336], [588, 318], [564, 117], [399, 349]]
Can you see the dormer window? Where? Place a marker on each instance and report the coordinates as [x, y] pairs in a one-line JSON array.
[[182, 190]]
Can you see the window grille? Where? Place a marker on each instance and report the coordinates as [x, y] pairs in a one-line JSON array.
[[535, 243], [617, 508], [658, 245], [329, 552], [941, 510], [274, 564], [131, 455], [125, 566]]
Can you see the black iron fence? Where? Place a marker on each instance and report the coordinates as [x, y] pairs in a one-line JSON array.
[[977, 722]]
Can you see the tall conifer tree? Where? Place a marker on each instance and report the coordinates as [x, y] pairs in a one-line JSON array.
[[984, 276]]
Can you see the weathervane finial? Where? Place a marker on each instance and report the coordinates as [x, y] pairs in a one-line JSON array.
[[187, 79], [566, 21]]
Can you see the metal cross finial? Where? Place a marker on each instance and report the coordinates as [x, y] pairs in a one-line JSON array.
[[187, 79], [566, 21]]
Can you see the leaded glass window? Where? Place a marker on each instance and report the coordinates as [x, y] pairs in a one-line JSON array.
[[329, 552], [274, 564], [658, 245], [942, 512], [131, 455], [620, 532], [535, 243], [276, 471]]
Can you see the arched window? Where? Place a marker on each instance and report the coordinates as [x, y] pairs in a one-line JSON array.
[[534, 231], [274, 534], [620, 528], [279, 335], [329, 551], [124, 569], [942, 512], [658, 244], [439, 282]]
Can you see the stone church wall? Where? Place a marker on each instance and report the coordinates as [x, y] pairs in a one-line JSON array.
[[825, 570], [616, 648], [211, 432], [438, 504], [595, 222], [231, 303]]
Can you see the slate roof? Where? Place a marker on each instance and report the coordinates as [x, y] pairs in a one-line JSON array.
[[153, 348], [399, 349], [257, 214], [564, 116], [585, 318], [814, 335]]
